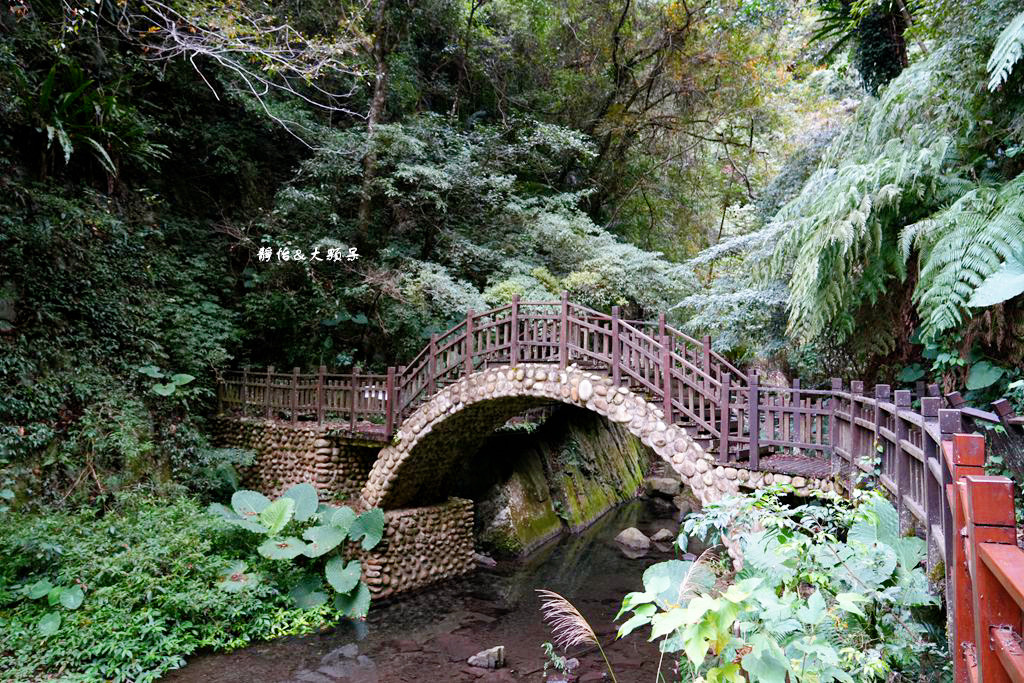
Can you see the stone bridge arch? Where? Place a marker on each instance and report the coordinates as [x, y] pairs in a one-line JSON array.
[[455, 421]]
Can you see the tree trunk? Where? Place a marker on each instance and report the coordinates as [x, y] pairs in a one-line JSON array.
[[380, 52]]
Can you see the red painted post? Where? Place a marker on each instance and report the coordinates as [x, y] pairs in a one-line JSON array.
[[467, 367], [266, 397], [990, 520], [355, 398], [753, 421], [661, 325], [616, 371], [666, 374], [320, 381], [514, 331], [723, 419], [563, 344], [390, 403], [968, 456]]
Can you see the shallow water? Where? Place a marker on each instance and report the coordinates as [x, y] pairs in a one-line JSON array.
[[429, 635]]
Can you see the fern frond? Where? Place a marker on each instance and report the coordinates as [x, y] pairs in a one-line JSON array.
[[960, 247], [1007, 52]]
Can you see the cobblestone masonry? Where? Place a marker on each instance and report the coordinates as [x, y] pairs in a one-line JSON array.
[[290, 454], [414, 469]]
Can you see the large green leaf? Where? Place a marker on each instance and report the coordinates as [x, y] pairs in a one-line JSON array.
[[1000, 286], [369, 526], [355, 604], [322, 539], [983, 374], [39, 589], [342, 577], [277, 515], [49, 624], [877, 520], [235, 578], [165, 389], [71, 598], [181, 379], [249, 525], [249, 503], [305, 498], [671, 583], [282, 548], [308, 593], [342, 518], [766, 662], [151, 371]]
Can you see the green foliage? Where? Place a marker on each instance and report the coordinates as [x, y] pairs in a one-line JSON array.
[[142, 586], [828, 592], [1007, 52], [323, 527]]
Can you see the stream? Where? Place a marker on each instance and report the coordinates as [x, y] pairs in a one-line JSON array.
[[428, 636]]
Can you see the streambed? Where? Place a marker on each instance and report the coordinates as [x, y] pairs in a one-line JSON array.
[[428, 636]]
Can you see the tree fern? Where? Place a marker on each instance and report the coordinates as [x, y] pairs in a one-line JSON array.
[[961, 246], [1007, 52], [838, 245]]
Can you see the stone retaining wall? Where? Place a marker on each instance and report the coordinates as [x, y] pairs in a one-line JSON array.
[[289, 454], [421, 546]]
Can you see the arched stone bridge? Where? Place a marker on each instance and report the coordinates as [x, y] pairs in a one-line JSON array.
[[673, 391], [457, 419]]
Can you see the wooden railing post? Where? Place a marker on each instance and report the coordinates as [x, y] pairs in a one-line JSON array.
[[833, 424], [266, 397], [295, 395], [968, 457], [514, 331], [389, 406], [856, 432], [723, 419], [902, 479], [797, 415], [706, 350], [616, 351], [320, 397], [245, 391], [990, 520], [882, 395], [666, 377], [354, 381], [467, 367], [563, 343], [753, 420], [661, 325], [950, 423], [432, 366]]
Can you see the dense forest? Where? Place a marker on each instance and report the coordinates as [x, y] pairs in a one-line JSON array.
[[829, 189]]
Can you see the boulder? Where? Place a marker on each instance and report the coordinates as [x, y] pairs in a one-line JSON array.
[[633, 538], [665, 486], [493, 658], [484, 560], [663, 536]]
